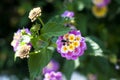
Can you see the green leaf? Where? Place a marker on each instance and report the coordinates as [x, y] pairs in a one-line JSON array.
[[53, 28], [37, 61], [68, 68], [34, 42], [38, 44], [58, 19], [93, 47]]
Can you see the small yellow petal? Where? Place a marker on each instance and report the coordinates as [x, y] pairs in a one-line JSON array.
[[71, 47], [64, 49], [71, 37], [65, 37], [78, 38], [76, 43]]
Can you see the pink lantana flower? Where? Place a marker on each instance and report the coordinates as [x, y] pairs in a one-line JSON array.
[[71, 45]]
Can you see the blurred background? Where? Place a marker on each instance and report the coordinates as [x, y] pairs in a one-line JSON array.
[[102, 58]]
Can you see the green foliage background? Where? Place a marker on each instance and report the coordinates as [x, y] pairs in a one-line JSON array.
[[102, 36]]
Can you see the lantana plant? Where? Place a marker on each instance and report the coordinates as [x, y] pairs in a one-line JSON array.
[[41, 41]]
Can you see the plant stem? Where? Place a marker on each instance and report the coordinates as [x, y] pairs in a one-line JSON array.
[[41, 21]]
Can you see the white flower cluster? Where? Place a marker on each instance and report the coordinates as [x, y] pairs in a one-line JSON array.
[[21, 43], [23, 51], [34, 13]]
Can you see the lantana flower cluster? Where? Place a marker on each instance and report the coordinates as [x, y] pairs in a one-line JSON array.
[[68, 14], [101, 3], [34, 14], [52, 66], [100, 8], [71, 45], [51, 71], [53, 76], [21, 43]]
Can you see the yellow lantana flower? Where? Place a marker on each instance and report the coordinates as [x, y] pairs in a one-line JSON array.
[[64, 49], [71, 37], [99, 12], [65, 37], [78, 38], [76, 43], [71, 47]]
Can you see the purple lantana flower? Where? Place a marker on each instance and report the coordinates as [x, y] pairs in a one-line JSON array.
[[16, 39], [21, 36], [68, 14], [71, 45], [21, 43], [101, 3], [53, 76], [52, 66]]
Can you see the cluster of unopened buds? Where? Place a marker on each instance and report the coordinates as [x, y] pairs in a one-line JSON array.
[[34, 14]]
